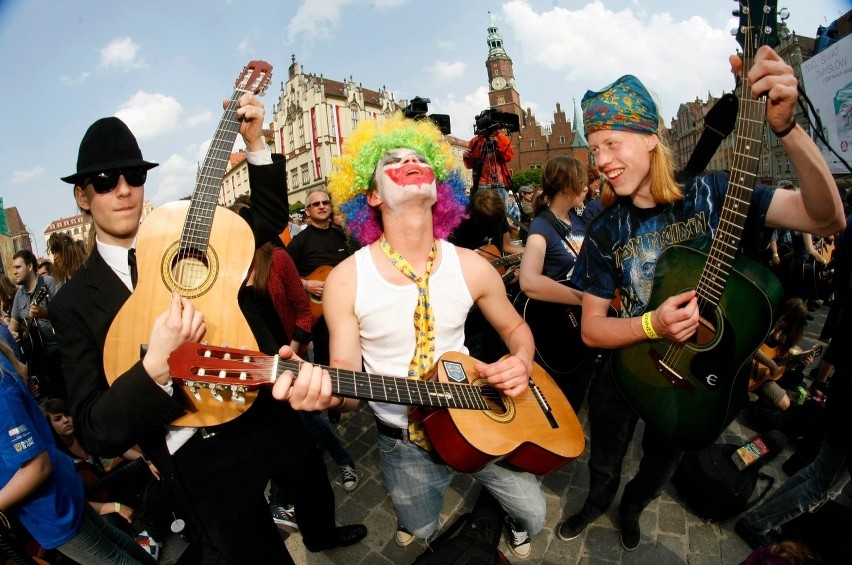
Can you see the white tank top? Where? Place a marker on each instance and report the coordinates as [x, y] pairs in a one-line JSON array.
[[385, 313]]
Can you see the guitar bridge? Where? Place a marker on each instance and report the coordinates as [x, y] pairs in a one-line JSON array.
[[669, 373]]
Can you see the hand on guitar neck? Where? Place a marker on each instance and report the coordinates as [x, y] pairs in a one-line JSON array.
[[179, 324]]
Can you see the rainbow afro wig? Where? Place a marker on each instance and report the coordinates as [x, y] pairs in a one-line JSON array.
[[350, 182]]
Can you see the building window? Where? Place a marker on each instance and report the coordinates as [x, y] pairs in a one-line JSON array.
[[532, 143], [353, 116], [305, 179], [562, 140], [333, 128], [301, 132], [290, 136], [294, 178]]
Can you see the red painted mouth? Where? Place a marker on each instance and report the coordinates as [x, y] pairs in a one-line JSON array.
[[411, 174]]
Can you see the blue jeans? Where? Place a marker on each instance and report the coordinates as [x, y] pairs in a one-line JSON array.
[[805, 491], [101, 543], [417, 481]]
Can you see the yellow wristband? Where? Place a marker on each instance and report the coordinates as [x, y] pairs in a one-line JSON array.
[[648, 327], [118, 507]]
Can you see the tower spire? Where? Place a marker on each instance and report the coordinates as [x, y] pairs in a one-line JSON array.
[[579, 136]]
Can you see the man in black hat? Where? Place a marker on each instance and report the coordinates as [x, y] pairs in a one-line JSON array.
[[220, 473]]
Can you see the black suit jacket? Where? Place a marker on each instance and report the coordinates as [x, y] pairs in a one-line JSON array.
[[134, 410]]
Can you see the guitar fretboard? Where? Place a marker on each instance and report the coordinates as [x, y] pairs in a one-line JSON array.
[[394, 390], [726, 241], [199, 219]]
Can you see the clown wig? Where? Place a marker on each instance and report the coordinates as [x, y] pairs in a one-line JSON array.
[[353, 177]]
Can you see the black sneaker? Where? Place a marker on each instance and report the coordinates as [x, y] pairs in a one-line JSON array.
[[571, 528], [630, 534], [518, 539]]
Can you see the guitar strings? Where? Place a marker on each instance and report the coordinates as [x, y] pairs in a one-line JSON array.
[[735, 207]]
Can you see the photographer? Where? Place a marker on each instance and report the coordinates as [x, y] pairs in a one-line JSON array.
[[490, 151]]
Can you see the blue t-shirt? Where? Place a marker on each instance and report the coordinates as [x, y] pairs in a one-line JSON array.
[[562, 243], [53, 514], [623, 242]]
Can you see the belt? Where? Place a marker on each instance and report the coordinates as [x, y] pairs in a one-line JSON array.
[[391, 431]]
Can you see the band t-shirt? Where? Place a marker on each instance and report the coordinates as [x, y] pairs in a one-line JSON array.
[[623, 242]]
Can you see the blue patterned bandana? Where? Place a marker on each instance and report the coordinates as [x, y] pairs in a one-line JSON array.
[[623, 105]]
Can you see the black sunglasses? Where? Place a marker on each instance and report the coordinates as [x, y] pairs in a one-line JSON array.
[[316, 204], [105, 181]]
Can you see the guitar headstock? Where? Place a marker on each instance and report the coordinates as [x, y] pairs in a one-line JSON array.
[[207, 366], [758, 24], [254, 77]]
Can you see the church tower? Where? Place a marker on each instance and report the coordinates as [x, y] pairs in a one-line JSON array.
[[501, 78]]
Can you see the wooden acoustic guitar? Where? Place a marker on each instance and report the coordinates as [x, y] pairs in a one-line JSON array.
[[318, 274], [469, 422], [201, 251], [688, 393], [760, 373], [498, 260]]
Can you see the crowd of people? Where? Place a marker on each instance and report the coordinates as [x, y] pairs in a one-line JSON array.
[[395, 268]]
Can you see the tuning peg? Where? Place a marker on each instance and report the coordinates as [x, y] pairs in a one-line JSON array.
[[193, 388], [734, 31], [237, 395], [736, 13], [214, 392], [783, 14]]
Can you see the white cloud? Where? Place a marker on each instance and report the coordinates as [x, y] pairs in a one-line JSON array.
[[445, 71], [121, 52], [244, 47], [176, 180], [315, 20], [149, 115], [24, 176], [197, 119], [677, 59], [71, 81], [384, 4], [462, 111]]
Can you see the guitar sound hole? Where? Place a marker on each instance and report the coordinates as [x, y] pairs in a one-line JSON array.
[[190, 269], [494, 400], [708, 329]]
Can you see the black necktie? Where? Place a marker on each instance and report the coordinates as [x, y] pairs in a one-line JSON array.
[[131, 260]]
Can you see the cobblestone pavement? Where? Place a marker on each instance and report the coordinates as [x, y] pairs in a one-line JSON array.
[[670, 533]]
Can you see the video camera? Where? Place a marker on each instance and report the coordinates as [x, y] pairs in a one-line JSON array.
[[417, 108], [492, 118]]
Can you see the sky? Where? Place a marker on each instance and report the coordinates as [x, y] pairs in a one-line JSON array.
[[165, 67]]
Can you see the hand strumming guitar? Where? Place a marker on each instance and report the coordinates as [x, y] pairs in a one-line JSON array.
[[177, 325]]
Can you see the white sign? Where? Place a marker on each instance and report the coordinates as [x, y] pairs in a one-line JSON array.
[[828, 83]]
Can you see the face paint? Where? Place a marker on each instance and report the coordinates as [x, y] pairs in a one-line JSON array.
[[411, 173]]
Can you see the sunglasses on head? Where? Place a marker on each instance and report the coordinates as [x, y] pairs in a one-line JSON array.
[[319, 203], [105, 181]]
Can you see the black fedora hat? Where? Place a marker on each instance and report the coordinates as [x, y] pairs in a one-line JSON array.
[[108, 145]]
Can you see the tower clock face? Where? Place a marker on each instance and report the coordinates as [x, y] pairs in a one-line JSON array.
[[498, 83]]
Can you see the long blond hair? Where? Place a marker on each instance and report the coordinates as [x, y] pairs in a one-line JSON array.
[[664, 188]]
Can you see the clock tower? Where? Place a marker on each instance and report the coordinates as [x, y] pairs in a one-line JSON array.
[[501, 79]]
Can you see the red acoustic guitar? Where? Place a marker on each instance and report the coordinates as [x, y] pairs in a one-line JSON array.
[[469, 422], [202, 252], [318, 274]]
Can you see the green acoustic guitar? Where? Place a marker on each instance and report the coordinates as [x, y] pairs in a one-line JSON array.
[[689, 393]]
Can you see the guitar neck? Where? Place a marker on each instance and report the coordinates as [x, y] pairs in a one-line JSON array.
[[732, 219], [507, 260], [396, 390], [111, 477], [199, 219]]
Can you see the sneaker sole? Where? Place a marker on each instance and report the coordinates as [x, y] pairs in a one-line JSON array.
[[568, 538], [518, 554], [404, 542]]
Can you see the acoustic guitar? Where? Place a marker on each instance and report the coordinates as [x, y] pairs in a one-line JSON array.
[[32, 344], [498, 260], [469, 422], [688, 393], [318, 274], [201, 251], [760, 373]]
